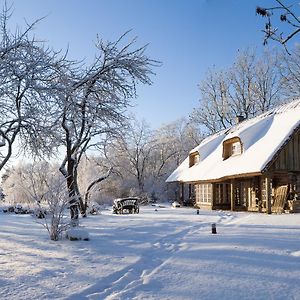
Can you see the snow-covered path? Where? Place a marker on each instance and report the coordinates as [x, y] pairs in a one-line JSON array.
[[163, 254]]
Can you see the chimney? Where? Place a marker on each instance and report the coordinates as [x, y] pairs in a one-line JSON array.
[[239, 119]]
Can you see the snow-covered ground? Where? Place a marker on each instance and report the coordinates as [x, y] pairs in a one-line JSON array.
[[164, 254]]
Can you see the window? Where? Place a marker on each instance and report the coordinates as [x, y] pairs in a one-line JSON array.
[[194, 158], [222, 193], [236, 148], [203, 193], [232, 147]]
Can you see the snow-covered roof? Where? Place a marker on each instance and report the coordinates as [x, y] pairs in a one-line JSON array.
[[261, 138]]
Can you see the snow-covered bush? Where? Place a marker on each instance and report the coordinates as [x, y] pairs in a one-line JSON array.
[[77, 234], [57, 201], [14, 185], [43, 187], [94, 209]]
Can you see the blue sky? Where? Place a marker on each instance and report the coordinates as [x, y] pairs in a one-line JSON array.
[[188, 36]]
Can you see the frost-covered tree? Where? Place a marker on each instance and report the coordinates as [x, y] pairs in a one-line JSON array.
[[172, 144], [23, 180], [213, 110], [289, 65], [129, 154], [12, 187], [53, 204], [250, 87], [142, 158], [92, 172], [27, 84], [42, 187], [92, 103]]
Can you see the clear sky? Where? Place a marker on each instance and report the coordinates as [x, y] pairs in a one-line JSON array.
[[188, 36]]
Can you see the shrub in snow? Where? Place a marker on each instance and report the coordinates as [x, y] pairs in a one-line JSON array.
[[77, 234], [52, 211], [19, 209], [40, 213], [9, 209], [175, 204], [55, 220], [94, 209], [42, 185]]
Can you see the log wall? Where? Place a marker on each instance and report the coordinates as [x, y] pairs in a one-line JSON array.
[[288, 158]]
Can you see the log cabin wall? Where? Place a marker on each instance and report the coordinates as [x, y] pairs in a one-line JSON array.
[[298, 185], [288, 158], [285, 169]]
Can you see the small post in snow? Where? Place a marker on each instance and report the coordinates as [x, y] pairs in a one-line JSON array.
[[213, 228], [197, 211]]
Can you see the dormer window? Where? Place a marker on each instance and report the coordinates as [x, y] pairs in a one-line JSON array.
[[236, 148], [232, 147], [194, 158]]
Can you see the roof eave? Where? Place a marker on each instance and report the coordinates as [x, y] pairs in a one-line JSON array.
[[221, 179]]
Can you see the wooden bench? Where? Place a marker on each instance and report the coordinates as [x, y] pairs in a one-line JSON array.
[[129, 205]]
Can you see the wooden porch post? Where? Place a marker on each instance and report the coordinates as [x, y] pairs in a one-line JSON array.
[[268, 181], [190, 195], [213, 192], [232, 195], [292, 181], [181, 193]]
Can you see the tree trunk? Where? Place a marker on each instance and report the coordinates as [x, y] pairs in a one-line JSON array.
[[87, 194], [82, 207], [74, 210]]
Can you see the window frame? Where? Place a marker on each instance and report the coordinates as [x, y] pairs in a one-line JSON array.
[[232, 147], [194, 158], [203, 193]]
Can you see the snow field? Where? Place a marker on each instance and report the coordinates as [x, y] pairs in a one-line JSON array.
[[164, 254]]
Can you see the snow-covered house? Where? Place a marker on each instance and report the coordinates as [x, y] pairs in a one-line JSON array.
[[254, 165]]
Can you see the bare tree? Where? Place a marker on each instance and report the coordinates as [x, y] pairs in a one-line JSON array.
[[56, 201], [93, 101], [42, 187], [213, 111], [289, 66], [130, 153], [142, 158], [27, 83], [171, 145], [284, 13], [250, 87], [91, 186], [48, 191], [255, 84], [13, 189]]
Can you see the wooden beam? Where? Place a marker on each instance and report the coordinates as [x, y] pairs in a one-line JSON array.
[[268, 181], [181, 196], [232, 195], [213, 193], [190, 195]]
